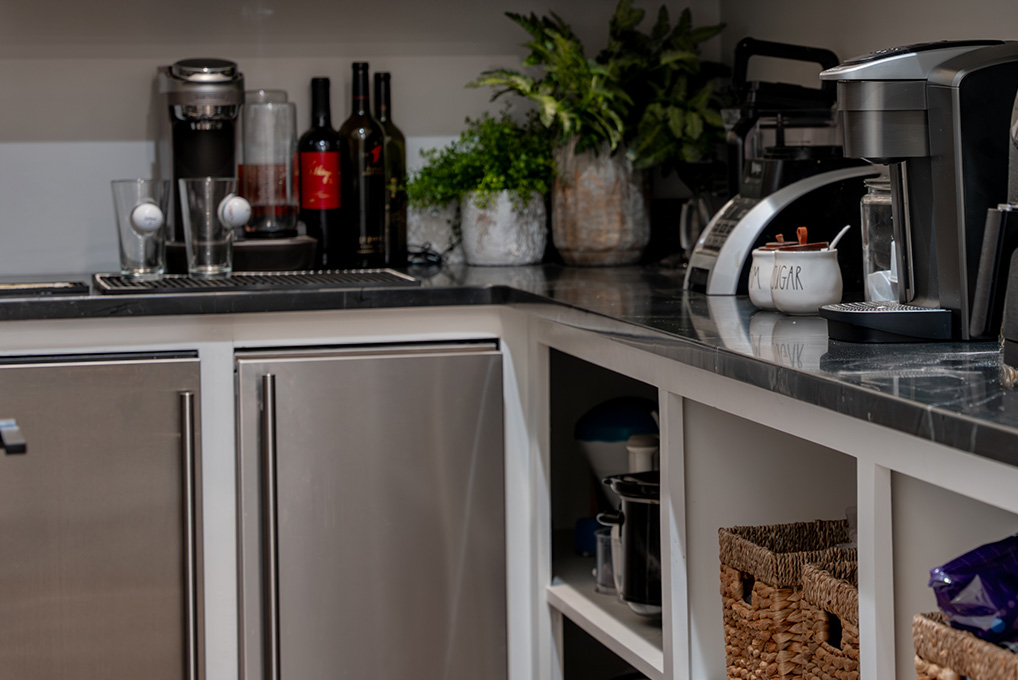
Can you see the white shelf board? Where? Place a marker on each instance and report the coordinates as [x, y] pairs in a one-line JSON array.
[[635, 639]]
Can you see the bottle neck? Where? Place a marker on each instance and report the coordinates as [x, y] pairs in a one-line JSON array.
[[383, 106], [321, 112], [361, 103]]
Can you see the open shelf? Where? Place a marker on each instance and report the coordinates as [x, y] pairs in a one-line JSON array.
[[635, 639], [577, 387]]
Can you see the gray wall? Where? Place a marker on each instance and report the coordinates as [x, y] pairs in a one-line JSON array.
[[76, 104], [854, 28]]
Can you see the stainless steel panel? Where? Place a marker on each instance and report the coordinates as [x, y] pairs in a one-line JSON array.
[[94, 571], [391, 527], [885, 136]]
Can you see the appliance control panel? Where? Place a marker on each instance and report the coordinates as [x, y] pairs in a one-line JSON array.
[[729, 218]]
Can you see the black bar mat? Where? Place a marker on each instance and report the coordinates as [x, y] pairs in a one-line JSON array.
[[116, 284]]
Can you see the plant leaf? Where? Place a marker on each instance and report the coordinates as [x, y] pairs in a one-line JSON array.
[[661, 26], [677, 121], [694, 125], [699, 35], [672, 56], [712, 117], [626, 16], [685, 22]]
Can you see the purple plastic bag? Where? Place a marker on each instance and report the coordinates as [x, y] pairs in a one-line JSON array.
[[978, 591]]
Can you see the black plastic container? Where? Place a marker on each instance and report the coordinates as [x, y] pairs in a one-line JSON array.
[[639, 520]]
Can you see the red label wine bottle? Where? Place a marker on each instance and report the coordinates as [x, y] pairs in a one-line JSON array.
[[362, 171], [395, 176], [320, 180]]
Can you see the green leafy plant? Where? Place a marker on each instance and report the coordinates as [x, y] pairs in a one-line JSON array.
[[576, 96], [491, 155], [675, 116], [649, 92]]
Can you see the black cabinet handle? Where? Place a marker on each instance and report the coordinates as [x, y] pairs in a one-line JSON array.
[[270, 529], [191, 531], [11, 438]]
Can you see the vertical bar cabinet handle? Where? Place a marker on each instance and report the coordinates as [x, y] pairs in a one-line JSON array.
[[187, 438], [270, 529]]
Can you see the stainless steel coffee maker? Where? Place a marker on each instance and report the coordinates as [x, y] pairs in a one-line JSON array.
[[938, 114], [198, 137]]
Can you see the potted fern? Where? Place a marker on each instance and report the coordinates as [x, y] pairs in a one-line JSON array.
[[499, 172], [646, 100]]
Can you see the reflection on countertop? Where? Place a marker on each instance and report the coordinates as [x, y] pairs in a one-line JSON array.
[[947, 392]]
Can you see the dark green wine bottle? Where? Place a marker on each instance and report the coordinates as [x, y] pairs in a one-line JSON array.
[[362, 170], [395, 176]]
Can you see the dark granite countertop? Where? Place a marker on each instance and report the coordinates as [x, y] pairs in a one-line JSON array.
[[950, 393]]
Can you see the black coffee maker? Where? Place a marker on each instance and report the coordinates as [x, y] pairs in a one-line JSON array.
[[786, 170], [775, 118], [198, 138], [938, 114]]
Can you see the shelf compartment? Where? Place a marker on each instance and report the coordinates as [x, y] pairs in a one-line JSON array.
[[634, 638]]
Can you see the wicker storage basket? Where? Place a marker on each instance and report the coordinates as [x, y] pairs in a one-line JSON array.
[[946, 653], [830, 616], [761, 584]]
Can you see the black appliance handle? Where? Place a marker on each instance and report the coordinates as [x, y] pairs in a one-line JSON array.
[[751, 47]]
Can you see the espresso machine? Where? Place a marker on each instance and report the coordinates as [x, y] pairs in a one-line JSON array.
[[938, 115], [198, 137]]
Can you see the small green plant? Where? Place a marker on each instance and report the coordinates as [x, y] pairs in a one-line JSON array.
[[647, 92], [491, 155]]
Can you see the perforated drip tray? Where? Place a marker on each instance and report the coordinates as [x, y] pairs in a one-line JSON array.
[[116, 284]]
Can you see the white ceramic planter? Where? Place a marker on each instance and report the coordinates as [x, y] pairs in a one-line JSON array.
[[503, 233]]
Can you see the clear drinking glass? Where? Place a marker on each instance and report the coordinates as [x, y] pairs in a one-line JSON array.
[[267, 172], [139, 206], [211, 212]]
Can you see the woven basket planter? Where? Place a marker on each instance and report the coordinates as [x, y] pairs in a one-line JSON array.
[[761, 585], [946, 653], [830, 615]]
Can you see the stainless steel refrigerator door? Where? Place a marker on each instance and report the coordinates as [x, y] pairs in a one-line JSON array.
[[99, 569], [389, 522]]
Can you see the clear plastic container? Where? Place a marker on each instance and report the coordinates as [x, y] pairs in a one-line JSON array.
[[878, 242]]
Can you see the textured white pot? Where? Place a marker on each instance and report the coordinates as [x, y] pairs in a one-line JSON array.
[[502, 233], [599, 210], [433, 228]]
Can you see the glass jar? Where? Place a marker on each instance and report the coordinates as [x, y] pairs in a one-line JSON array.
[[878, 254]]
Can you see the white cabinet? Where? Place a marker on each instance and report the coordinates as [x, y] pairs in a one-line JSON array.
[[732, 454]]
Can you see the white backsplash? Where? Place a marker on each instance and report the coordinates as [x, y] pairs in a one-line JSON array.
[[58, 209]]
